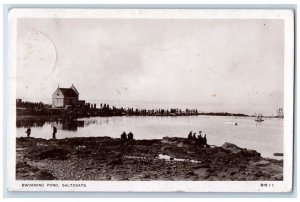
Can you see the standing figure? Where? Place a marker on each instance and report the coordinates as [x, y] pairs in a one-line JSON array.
[[205, 140], [200, 139], [54, 132], [28, 131], [190, 136], [194, 136], [123, 136], [200, 133], [130, 136]]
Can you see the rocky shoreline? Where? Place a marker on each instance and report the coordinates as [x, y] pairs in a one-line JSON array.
[[105, 158]]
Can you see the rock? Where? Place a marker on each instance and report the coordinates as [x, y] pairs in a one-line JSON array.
[[54, 154], [278, 177], [115, 154], [117, 161], [259, 174], [190, 173], [180, 144], [103, 158], [23, 165], [24, 171], [242, 166], [45, 175], [278, 154], [221, 154], [262, 163], [201, 166], [231, 147], [253, 153], [201, 172]]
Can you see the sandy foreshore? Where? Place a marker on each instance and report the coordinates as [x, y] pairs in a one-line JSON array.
[[105, 158]]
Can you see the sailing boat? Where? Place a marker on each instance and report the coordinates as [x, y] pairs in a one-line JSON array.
[[259, 118]]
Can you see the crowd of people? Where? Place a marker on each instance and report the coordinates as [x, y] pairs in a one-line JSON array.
[[199, 138]]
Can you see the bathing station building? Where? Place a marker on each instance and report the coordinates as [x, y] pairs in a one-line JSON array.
[[64, 97]]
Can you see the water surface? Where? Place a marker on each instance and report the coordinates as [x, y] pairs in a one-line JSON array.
[[265, 137]]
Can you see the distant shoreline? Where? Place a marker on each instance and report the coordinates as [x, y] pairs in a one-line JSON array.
[[57, 116], [24, 108]]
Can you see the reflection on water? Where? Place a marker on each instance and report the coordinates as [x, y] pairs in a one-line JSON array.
[[30, 123], [265, 137], [71, 125], [63, 124], [95, 121]]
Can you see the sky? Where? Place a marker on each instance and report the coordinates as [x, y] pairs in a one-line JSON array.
[[212, 65]]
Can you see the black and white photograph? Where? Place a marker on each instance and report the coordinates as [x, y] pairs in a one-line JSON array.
[[161, 99]]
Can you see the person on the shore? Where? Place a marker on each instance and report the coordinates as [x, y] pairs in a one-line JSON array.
[[54, 132], [190, 136], [200, 139], [130, 136], [28, 131], [194, 136], [123, 136], [205, 140]]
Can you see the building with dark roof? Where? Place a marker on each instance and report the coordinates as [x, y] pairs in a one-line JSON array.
[[63, 97]]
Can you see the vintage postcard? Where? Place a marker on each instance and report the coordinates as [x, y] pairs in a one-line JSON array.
[[150, 100]]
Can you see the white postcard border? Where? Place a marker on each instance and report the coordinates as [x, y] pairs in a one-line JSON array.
[[155, 186]]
